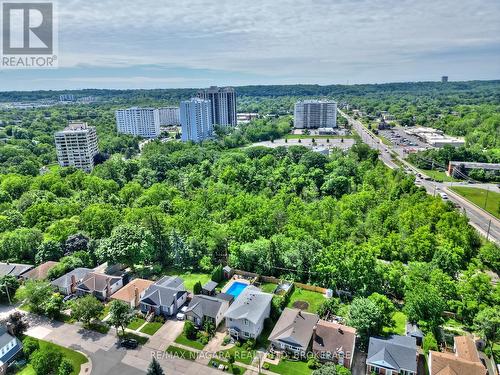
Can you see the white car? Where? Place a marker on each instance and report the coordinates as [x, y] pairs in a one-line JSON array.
[[443, 195]]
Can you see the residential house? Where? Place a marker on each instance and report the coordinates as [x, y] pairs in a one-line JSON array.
[[66, 284], [132, 292], [465, 359], [206, 308], [392, 356], [10, 346], [209, 288], [40, 272], [99, 285], [14, 269], [334, 342], [225, 296], [245, 317], [293, 331], [164, 297]]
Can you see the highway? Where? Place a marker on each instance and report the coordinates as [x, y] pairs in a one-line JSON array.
[[486, 224]]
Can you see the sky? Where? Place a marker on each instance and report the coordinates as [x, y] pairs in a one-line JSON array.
[[196, 43]]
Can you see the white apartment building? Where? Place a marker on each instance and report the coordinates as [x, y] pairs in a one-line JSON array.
[[169, 116], [314, 114], [142, 122], [196, 120], [223, 104], [76, 146]]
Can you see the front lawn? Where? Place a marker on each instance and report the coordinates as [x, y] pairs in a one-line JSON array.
[[76, 359], [183, 340], [140, 339], [237, 370], [240, 354], [286, 366], [181, 353], [313, 299], [105, 312], [136, 323], [488, 200], [151, 328], [399, 328]]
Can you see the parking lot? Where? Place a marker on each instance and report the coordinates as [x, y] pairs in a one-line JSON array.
[[403, 143]]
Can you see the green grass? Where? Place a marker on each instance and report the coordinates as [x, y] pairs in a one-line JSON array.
[[438, 175], [181, 353], [183, 340], [105, 312], [234, 369], [240, 354], [314, 299], [136, 323], [291, 367], [478, 197], [303, 136], [190, 278], [268, 287], [399, 328], [151, 328], [98, 327], [76, 359]]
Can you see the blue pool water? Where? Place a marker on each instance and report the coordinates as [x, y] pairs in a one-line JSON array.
[[236, 288]]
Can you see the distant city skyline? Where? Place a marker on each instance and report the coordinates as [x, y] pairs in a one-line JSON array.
[[126, 44]]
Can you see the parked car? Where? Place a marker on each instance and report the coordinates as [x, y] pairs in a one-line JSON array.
[[129, 343], [443, 195]]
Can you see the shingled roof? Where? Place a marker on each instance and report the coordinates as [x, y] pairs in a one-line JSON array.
[[396, 353], [294, 327]]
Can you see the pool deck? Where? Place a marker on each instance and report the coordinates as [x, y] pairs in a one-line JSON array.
[[232, 281]]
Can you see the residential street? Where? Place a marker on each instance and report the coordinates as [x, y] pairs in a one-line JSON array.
[[487, 225], [105, 355]]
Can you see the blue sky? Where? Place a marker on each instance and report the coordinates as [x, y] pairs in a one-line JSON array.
[[166, 44]]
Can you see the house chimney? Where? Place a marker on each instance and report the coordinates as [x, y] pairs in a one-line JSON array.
[[341, 331], [314, 332], [72, 286], [136, 297]]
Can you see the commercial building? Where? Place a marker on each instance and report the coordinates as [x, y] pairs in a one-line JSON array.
[[435, 137], [444, 79], [315, 114], [76, 146], [244, 118], [196, 120], [142, 122], [223, 104], [169, 116]]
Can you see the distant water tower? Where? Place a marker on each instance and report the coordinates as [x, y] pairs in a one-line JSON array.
[[444, 79]]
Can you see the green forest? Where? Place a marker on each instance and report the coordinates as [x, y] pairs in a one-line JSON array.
[[343, 221]]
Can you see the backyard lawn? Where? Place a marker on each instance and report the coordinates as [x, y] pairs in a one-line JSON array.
[[136, 323], [151, 328], [75, 358], [190, 278], [313, 299], [268, 287], [181, 353], [478, 197], [399, 327], [291, 367], [183, 340]]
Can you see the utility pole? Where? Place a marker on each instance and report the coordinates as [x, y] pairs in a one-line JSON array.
[[488, 232], [486, 199], [8, 293]]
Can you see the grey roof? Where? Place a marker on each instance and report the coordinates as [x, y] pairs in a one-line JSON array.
[[251, 304], [94, 281], [5, 338], [65, 280], [14, 269], [396, 353], [227, 269], [210, 286], [202, 306], [413, 330], [294, 327], [225, 297], [164, 291]]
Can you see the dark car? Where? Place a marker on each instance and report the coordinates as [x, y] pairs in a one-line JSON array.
[[129, 343]]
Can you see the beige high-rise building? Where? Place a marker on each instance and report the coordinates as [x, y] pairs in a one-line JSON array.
[[76, 146], [222, 103]]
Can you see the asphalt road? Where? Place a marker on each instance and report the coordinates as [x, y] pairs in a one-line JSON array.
[[486, 224]]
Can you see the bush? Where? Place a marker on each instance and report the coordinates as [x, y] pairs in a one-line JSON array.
[[218, 274], [203, 337], [197, 289], [249, 344], [429, 343], [159, 319], [313, 363], [237, 344], [226, 340], [30, 345], [189, 330], [265, 366], [45, 361], [65, 368]]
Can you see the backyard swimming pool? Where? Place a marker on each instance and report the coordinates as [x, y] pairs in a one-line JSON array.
[[236, 288]]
